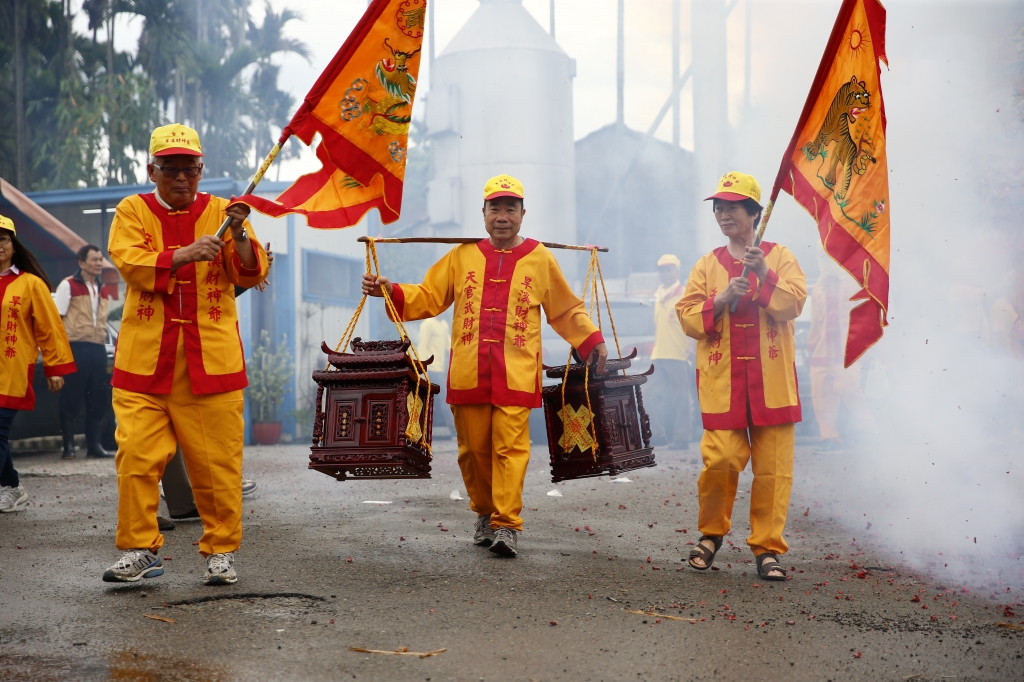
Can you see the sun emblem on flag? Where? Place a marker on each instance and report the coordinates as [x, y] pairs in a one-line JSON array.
[[411, 17]]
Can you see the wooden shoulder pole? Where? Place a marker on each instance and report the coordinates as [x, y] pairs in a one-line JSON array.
[[474, 240]]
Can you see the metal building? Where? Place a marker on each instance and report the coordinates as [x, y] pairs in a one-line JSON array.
[[501, 102]]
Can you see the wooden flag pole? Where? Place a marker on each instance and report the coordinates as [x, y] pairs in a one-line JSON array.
[[759, 236], [259, 176], [473, 240]]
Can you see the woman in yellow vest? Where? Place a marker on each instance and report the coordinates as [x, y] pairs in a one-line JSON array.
[[746, 375], [30, 324]]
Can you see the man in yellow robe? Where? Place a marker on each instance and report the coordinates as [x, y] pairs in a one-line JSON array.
[[497, 286], [179, 368], [746, 375]]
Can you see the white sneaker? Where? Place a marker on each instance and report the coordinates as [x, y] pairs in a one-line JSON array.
[[12, 499], [248, 486], [134, 565], [483, 535], [220, 569]]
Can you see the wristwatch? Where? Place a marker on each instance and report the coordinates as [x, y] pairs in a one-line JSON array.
[[244, 236]]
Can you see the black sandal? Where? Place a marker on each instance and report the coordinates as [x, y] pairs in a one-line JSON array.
[[773, 565], [703, 553]]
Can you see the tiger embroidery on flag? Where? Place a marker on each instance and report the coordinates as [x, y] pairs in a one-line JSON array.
[[852, 100]]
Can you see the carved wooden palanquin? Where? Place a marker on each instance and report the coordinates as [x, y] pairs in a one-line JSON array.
[[620, 421], [362, 427]]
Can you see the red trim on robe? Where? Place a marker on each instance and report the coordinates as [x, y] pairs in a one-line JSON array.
[[588, 345], [25, 402], [764, 296]]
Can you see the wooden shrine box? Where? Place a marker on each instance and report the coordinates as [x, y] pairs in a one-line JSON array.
[[362, 427], [622, 425]]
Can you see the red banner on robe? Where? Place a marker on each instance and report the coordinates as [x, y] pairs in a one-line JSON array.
[[361, 106], [836, 166]]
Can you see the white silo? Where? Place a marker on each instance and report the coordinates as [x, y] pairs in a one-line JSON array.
[[501, 102]]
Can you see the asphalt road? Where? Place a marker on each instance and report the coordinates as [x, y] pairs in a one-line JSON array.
[[322, 571]]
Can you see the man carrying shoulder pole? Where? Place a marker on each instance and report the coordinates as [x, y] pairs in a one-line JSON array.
[[498, 286]]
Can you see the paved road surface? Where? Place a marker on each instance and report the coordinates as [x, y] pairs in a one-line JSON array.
[[321, 571]]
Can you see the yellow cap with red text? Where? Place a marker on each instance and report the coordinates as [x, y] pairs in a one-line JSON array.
[[7, 224], [736, 186], [503, 186], [669, 259], [175, 139]]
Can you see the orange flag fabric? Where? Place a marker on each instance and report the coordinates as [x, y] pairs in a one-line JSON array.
[[836, 164], [361, 106]]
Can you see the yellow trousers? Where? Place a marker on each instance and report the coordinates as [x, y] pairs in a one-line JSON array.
[[725, 455], [831, 386], [494, 450], [210, 430]]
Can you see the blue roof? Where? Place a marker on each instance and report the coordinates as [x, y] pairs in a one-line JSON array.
[[221, 187]]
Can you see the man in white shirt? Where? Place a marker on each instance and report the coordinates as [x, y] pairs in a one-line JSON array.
[[672, 385], [82, 303]]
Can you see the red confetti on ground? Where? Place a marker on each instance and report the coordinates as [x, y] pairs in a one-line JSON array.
[[648, 559], [577, 529], [1008, 612], [915, 598], [856, 654], [195, 543], [332, 621], [431, 610], [167, 558], [349, 560], [622, 506], [552, 622], [401, 538], [19, 546], [808, 512]]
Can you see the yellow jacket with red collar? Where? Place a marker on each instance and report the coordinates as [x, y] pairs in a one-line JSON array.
[[746, 371], [198, 299], [30, 323], [496, 335]]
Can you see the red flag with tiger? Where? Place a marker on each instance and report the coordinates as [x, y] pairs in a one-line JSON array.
[[361, 106], [836, 166]]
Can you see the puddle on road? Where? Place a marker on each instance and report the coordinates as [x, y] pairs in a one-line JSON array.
[[121, 666], [273, 608]]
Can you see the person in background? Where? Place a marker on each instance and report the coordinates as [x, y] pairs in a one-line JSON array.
[[746, 369], [832, 385], [673, 380], [435, 338], [178, 368], [498, 286], [82, 303], [30, 324], [175, 486]]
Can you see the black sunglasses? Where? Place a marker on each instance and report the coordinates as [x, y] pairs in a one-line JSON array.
[[172, 171]]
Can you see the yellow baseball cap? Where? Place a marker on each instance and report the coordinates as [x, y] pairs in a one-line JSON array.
[[503, 186], [669, 259], [7, 224], [736, 186], [175, 139]]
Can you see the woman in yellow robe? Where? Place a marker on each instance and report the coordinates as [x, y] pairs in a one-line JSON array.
[[746, 375], [31, 324]]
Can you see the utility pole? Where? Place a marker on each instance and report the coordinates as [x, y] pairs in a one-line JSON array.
[[620, 68], [749, 11], [551, 3], [433, 39], [20, 168], [675, 73]]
